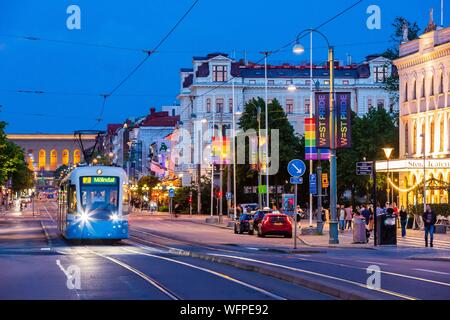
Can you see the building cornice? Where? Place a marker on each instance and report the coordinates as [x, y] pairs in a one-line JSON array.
[[42, 136], [417, 58]]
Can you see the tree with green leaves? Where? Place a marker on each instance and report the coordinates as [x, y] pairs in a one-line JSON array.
[[12, 163], [290, 146], [370, 134]]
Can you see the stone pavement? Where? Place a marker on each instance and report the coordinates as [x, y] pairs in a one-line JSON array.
[[414, 238]]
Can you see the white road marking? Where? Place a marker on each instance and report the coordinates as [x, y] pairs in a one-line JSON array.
[[399, 295], [372, 262], [432, 271], [221, 275]]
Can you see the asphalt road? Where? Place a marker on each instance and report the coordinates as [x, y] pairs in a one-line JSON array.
[[153, 264], [35, 268]]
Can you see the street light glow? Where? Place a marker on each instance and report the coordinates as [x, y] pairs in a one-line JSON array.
[[388, 152], [292, 87], [298, 49]]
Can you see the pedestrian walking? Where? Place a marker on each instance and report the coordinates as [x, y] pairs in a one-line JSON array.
[[365, 212], [342, 218], [348, 217], [429, 219], [403, 218]]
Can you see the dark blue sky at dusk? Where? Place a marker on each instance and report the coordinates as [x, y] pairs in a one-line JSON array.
[[82, 73]]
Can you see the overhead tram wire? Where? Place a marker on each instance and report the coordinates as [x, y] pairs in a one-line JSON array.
[[271, 53], [139, 65]]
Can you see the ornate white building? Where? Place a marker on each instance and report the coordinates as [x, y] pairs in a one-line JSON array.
[[424, 71], [206, 92]]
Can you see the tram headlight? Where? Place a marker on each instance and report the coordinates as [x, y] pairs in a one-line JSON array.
[[115, 217], [84, 217]]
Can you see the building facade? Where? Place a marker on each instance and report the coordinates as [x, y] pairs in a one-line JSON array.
[[424, 150], [133, 142], [206, 94]]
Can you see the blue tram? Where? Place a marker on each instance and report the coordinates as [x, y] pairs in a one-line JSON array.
[[93, 204]]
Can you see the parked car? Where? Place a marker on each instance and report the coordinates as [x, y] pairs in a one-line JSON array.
[[275, 224], [259, 216], [248, 207], [244, 224]]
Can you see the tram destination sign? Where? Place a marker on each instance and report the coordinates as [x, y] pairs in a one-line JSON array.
[[99, 180]]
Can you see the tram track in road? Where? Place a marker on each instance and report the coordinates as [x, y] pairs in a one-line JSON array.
[[185, 242]]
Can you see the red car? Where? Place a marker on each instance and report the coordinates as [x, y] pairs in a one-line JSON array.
[[275, 224]]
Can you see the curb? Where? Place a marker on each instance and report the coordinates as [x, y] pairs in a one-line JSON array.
[[441, 259], [336, 291]]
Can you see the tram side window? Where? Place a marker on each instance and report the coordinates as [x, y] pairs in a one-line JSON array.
[[72, 199]]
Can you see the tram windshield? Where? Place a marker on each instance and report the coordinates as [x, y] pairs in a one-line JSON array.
[[99, 194]]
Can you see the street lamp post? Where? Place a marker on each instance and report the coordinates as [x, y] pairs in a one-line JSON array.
[[298, 49], [387, 153]]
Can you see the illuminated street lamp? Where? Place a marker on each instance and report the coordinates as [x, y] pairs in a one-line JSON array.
[[299, 49], [146, 189], [387, 153]]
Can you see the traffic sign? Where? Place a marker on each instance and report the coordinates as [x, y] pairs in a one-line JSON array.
[[364, 168], [171, 193], [296, 180], [228, 195], [296, 168], [313, 183]]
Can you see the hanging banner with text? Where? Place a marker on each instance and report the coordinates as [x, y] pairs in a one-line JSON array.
[[343, 115], [322, 120]]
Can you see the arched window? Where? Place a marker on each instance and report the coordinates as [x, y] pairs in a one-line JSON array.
[[42, 159], [423, 138], [414, 88], [432, 135], [53, 159], [414, 138], [422, 89], [441, 82], [76, 157], [441, 135], [406, 138], [432, 85], [65, 157], [406, 91]]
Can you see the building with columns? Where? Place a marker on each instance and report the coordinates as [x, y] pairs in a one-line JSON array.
[[424, 71], [206, 94]]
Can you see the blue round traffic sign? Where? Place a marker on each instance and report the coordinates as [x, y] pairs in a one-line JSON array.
[[296, 168]]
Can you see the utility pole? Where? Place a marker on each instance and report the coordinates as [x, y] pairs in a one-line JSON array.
[[319, 193], [220, 212], [258, 118], [334, 235]]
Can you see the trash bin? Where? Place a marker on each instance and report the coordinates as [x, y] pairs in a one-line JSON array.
[[386, 229], [359, 230]]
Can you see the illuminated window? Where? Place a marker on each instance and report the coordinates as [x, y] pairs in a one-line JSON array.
[[406, 92], [76, 156], [53, 159], [414, 147], [422, 90], [219, 73], [289, 105], [65, 157], [432, 136], [441, 82], [219, 104], [406, 138], [441, 135], [42, 159], [432, 85], [208, 105], [307, 105]]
